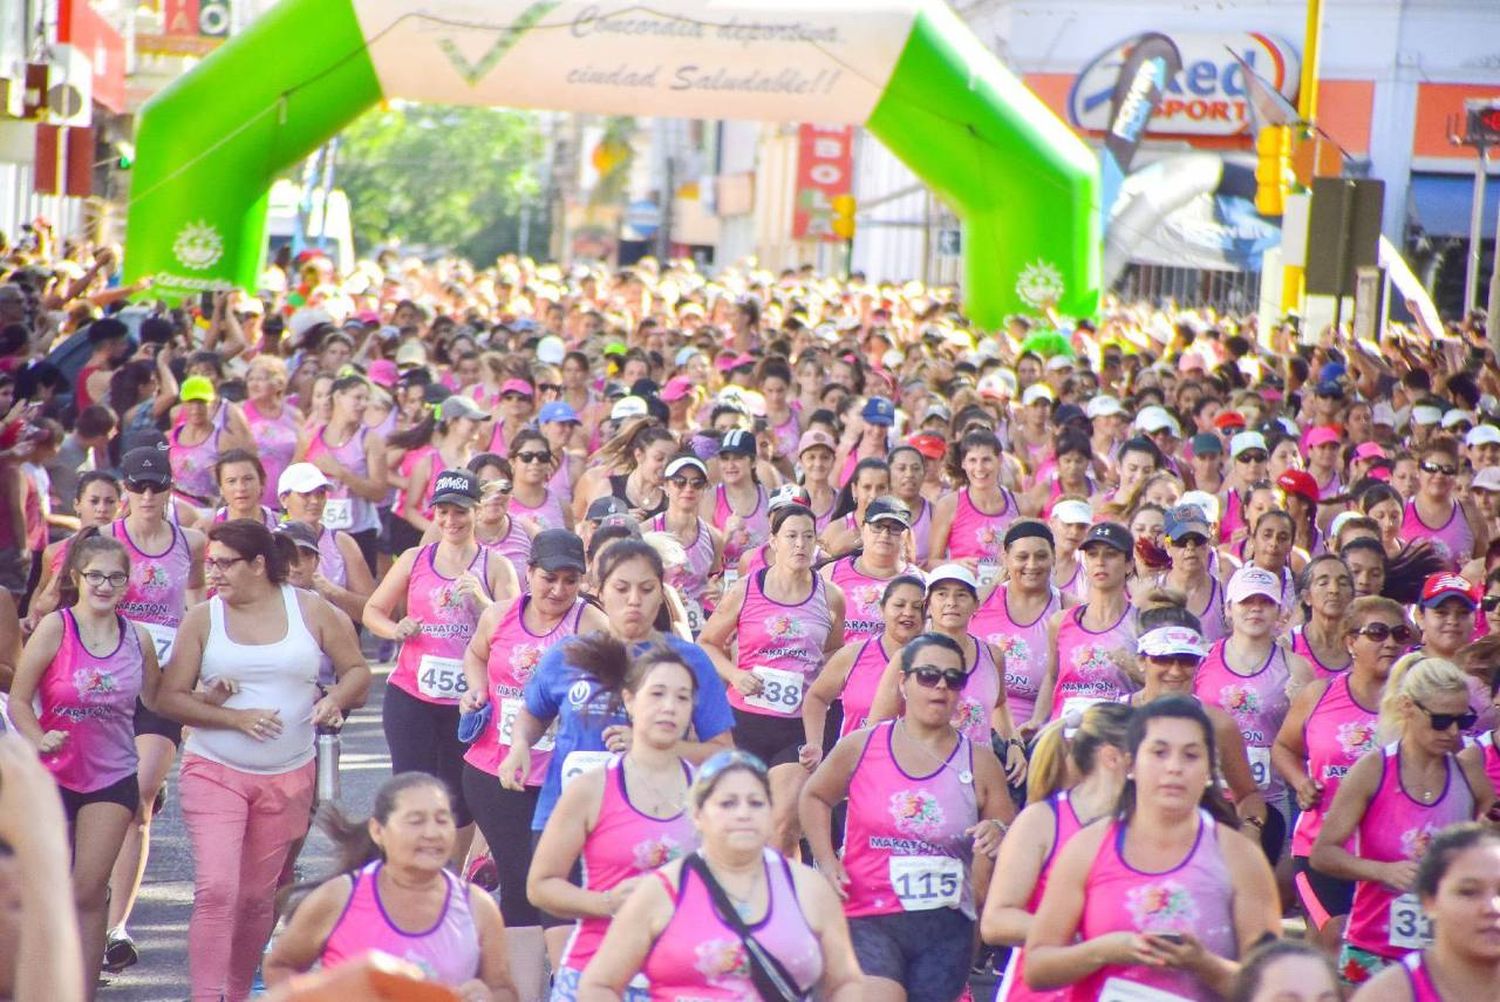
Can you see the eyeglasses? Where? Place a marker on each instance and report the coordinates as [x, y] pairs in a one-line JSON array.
[[696, 483], [1251, 456], [1428, 466], [148, 487], [98, 579], [1380, 632], [213, 566], [1443, 721], [549, 387], [496, 487], [1175, 660], [1490, 603], [928, 677], [886, 528], [534, 457]]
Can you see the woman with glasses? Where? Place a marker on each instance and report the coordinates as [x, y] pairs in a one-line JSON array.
[[247, 767], [1391, 803], [166, 577], [927, 808], [352, 457], [342, 577], [871, 479], [863, 574], [1327, 589], [1188, 534], [1435, 511], [1445, 614], [532, 500], [733, 920], [1078, 768], [969, 524], [242, 484], [1490, 603], [687, 484], [275, 425], [1166, 896], [1330, 724], [74, 697], [785, 621]]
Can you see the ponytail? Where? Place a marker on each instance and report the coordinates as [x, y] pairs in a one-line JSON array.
[[1075, 738], [353, 846]]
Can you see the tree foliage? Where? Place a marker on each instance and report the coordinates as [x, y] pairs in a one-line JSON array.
[[452, 178]]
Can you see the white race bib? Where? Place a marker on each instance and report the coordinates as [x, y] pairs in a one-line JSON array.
[[923, 883], [338, 513], [1078, 704], [695, 616], [161, 638], [1411, 929], [989, 571], [510, 709], [441, 678], [579, 762], [1120, 990], [780, 690], [731, 575], [1260, 765]]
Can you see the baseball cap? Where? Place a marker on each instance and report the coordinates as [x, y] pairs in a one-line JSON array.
[[1229, 419], [197, 388], [557, 412], [615, 348], [147, 464], [815, 438], [1323, 435], [888, 509], [1206, 503], [952, 572], [737, 442], [788, 494], [1186, 520], [1373, 450], [551, 350], [1247, 441], [1444, 585], [1484, 434], [1038, 392], [301, 478], [627, 408], [1487, 479], [681, 463], [1073, 512], [879, 411], [1111, 534], [1330, 388], [937, 410], [1207, 444], [677, 387], [684, 355], [410, 355], [1103, 405], [458, 487], [459, 406], [383, 372], [1300, 483], [304, 535], [1383, 413], [601, 508], [558, 550], [1155, 419], [1165, 641], [1251, 580], [1456, 417], [929, 445], [1425, 414]]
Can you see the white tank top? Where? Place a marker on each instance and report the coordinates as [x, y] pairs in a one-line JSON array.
[[281, 676]]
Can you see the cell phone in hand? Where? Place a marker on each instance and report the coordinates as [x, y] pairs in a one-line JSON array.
[[1175, 938]]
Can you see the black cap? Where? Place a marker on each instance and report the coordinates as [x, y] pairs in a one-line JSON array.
[[737, 442], [458, 487], [1067, 413], [107, 329], [888, 509], [300, 533], [1111, 534], [601, 508], [645, 388], [147, 464], [558, 550], [435, 393]]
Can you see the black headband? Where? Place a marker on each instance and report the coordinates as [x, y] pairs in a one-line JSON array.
[[1028, 528]]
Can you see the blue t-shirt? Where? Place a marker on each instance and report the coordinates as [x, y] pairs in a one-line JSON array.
[[582, 709]]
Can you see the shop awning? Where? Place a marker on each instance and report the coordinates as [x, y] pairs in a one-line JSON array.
[[1440, 204]]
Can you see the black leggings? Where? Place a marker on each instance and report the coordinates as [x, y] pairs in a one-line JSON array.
[[423, 737], [505, 818], [368, 540]]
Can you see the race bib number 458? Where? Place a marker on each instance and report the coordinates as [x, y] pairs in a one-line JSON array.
[[441, 678]]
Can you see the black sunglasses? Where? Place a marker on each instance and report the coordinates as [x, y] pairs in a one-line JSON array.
[[1251, 456], [144, 486], [1428, 466], [696, 483], [1490, 603], [1380, 632], [549, 387], [928, 677], [1443, 721], [534, 457]]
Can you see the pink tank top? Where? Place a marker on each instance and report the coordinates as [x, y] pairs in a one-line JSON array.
[[787, 639], [921, 530], [904, 844], [1234, 515], [408, 468], [755, 531], [862, 683], [1302, 647], [1419, 978], [1013, 987], [1336, 734], [276, 441], [549, 514], [447, 953], [1086, 671], [1397, 826], [514, 654], [431, 663], [625, 843], [1258, 703], [787, 435], [351, 455], [699, 957], [978, 536], [515, 546], [1453, 540], [267, 517], [1023, 646], [1491, 754], [691, 579], [331, 562], [157, 595], [1191, 897], [91, 698], [977, 701], [862, 593], [193, 466]]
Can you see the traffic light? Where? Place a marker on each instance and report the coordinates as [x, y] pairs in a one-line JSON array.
[[843, 216], [1484, 121], [1273, 169]]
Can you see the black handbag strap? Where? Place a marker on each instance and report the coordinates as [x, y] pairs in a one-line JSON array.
[[772, 980]]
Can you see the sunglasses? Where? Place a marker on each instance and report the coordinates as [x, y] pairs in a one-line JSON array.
[[1443, 721], [1428, 466], [147, 487], [1490, 603], [534, 457], [1252, 456], [549, 387], [720, 762], [1192, 539], [928, 677], [1175, 660], [1380, 633], [696, 483]]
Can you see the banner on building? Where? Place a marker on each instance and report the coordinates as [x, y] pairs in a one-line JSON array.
[[825, 170], [64, 163], [101, 48]]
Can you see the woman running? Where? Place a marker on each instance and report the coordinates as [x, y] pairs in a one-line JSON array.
[[1077, 771], [622, 821], [840, 534], [84, 667], [275, 425], [1437, 512], [443, 443], [1166, 895], [687, 926], [352, 457], [927, 809], [863, 574], [1391, 803], [969, 525], [630, 467], [686, 478], [195, 444], [1188, 536], [531, 499], [241, 479], [97, 503], [1330, 724], [1327, 589], [908, 470], [1070, 521], [342, 576], [395, 895], [517, 405], [738, 506], [784, 621]]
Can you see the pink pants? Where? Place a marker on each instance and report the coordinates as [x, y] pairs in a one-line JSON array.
[[242, 825]]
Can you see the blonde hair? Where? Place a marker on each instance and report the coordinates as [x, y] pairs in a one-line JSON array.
[[1055, 749], [1416, 677], [273, 366], [668, 547]]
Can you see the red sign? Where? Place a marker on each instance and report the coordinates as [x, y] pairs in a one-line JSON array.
[[79, 26], [180, 17], [64, 154], [825, 170]]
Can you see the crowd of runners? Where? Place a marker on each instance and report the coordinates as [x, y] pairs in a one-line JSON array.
[[750, 636]]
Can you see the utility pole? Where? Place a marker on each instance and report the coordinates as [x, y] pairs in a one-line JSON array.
[[1293, 277]]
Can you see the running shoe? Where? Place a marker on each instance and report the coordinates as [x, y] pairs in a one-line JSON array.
[[483, 872], [119, 953]]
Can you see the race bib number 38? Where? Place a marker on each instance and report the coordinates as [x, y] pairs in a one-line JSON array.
[[780, 690], [923, 883], [441, 678]]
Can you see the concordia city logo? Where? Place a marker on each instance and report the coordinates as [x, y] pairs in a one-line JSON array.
[[198, 245], [509, 36]]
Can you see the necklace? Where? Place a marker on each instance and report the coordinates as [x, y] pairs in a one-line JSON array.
[[964, 776], [662, 804], [743, 903]]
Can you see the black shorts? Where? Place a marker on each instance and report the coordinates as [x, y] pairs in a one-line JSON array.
[[151, 722], [928, 953], [1331, 896], [773, 740], [404, 536], [368, 542], [423, 737], [125, 792], [575, 876], [505, 818]]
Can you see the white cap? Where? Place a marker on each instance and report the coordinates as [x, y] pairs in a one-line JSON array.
[[1059, 362], [1340, 520], [551, 350], [1156, 418], [1487, 479], [1164, 641], [1245, 441], [1484, 434], [681, 463], [1251, 580], [1425, 414], [628, 407], [952, 572], [1037, 392], [301, 478], [1205, 502], [1103, 405], [1456, 417], [1383, 413], [1073, 512]]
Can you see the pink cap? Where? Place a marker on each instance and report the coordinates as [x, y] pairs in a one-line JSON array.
[[677, 387], [368, 317], [1369, 450], [520, 386], [383, 372], [815, 438], [1323, 435]]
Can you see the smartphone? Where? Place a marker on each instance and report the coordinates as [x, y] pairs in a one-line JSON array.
[[1175, 938], [206, 304]]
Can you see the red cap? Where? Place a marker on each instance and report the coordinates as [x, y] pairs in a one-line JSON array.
[[1299, 482], [1445, 584], [1229, 419], [929, 445]]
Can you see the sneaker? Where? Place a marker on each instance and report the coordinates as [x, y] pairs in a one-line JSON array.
[[483, 872], [119, 953], [160, 803]]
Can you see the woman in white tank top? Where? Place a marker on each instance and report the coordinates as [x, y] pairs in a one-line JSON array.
[[247, 768]]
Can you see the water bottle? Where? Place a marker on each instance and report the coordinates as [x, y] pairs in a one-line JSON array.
[[328, 765]]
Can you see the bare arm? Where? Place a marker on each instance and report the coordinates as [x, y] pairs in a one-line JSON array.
[[827, 687], [298, 946], [1343, 817], [630, 937], [494, 957], [389, 596], [1006, 920], [561, 844], [943, 511], [38, 654]]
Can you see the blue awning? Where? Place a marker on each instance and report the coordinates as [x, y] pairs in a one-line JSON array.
[[1440, 204]]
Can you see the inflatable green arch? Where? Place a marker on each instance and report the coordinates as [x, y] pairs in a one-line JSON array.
[[910, 71]]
